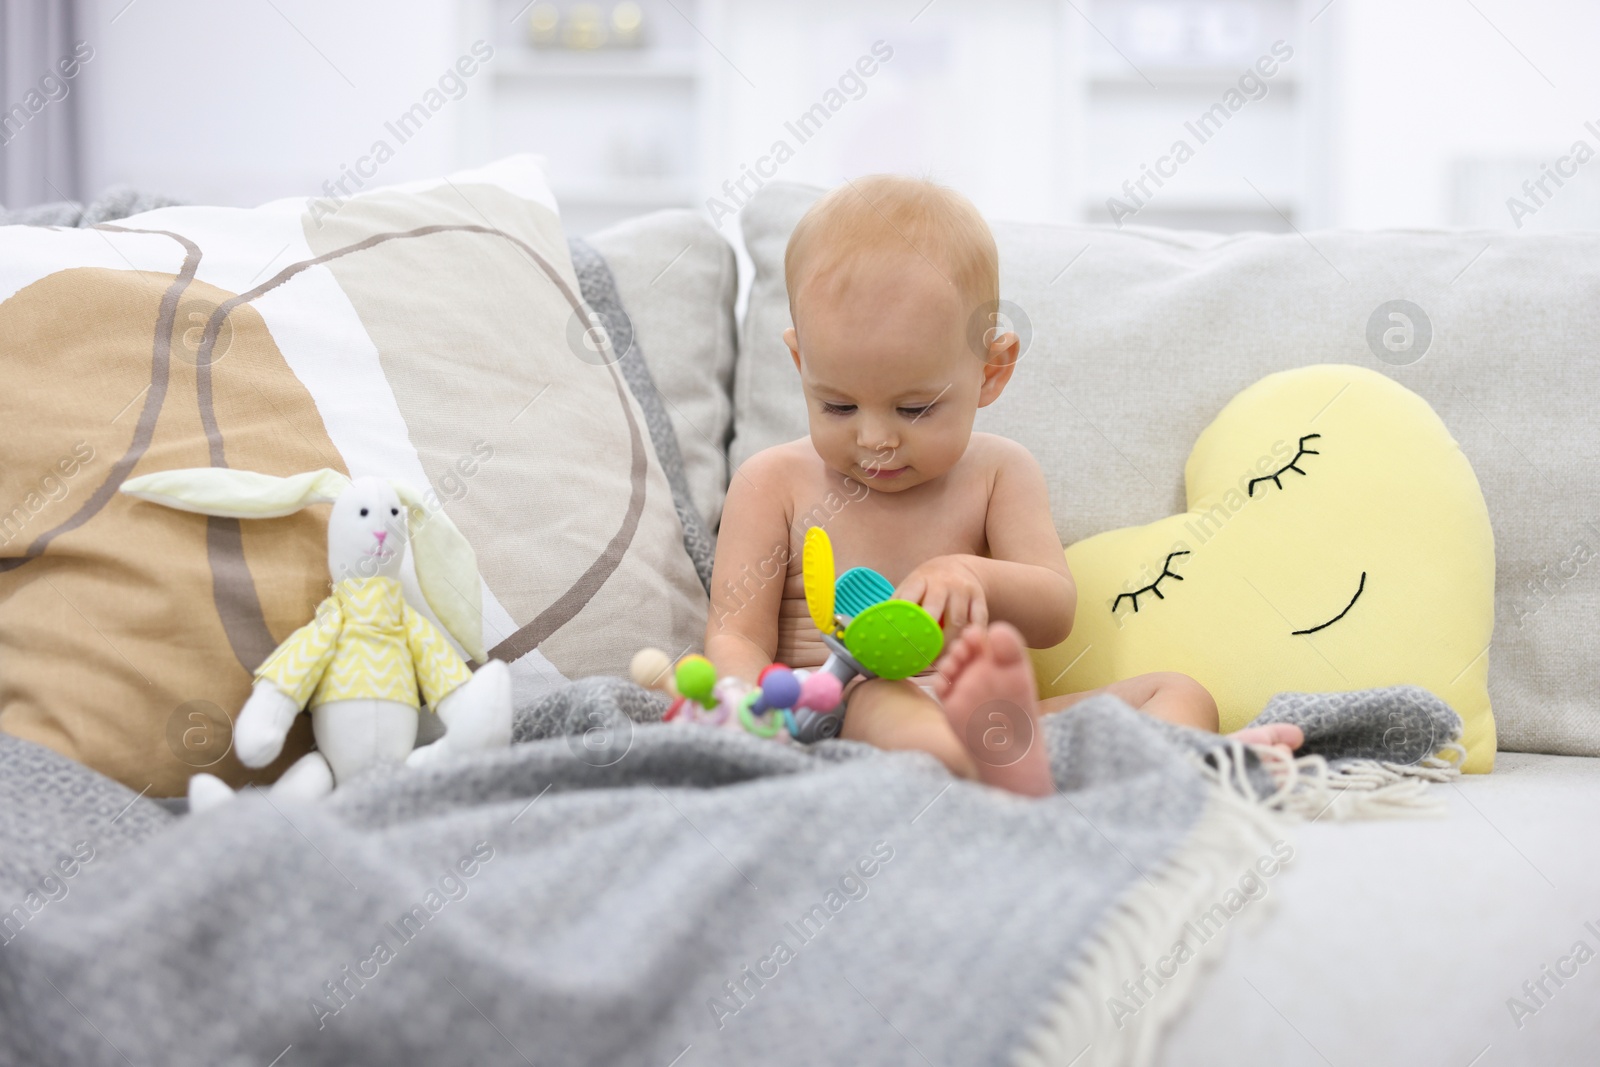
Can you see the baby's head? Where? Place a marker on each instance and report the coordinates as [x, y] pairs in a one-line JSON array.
[[894, 286]]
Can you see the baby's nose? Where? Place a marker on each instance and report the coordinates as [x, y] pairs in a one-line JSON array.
[[877, 437]]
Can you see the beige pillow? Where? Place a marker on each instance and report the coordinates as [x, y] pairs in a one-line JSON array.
[[431, 332], [677, 279], [1137, 338]]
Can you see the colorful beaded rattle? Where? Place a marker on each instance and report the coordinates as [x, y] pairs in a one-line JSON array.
[[874, 636]]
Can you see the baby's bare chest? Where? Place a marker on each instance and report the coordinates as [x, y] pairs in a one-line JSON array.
[[890, 533]]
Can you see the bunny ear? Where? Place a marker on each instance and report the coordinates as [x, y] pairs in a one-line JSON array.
[[447, 571], [237, 494]]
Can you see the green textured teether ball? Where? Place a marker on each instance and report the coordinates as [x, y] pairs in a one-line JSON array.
[[894, 639]]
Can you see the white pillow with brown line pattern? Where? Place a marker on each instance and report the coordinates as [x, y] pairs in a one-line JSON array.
[[430, 332]]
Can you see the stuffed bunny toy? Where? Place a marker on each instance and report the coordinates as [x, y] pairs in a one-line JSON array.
[[368, 660]]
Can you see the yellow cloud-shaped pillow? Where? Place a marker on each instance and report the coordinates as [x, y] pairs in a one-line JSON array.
[[1336, 539]]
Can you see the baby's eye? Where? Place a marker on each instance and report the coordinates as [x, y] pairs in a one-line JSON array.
[[838, 409], [916, 413]]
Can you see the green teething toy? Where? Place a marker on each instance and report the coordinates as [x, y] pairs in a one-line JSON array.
[[868, 633], [875, 635], [894, 639]]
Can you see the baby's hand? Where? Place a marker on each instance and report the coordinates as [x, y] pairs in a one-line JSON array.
[[949, 591]]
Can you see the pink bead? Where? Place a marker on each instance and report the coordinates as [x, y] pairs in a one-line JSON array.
[[820, 692]]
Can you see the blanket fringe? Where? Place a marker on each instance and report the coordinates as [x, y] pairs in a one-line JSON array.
[[1309, 788], [1082, 1025]]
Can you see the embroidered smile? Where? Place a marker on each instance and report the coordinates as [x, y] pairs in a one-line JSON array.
[[1360, 588]]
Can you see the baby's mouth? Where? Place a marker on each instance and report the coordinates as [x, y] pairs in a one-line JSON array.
[[884, 472]]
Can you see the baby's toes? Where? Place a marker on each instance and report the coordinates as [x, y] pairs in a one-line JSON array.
[[971, 642], [1283, 734], [958, 655]]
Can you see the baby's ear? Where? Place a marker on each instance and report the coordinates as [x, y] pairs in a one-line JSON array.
[[999, 363], [792, 339]]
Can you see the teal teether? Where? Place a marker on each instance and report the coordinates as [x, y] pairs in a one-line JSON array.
[[859, 588]]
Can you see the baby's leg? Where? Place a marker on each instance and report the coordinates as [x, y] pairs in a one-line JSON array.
[[899, 715], [1166, 695], [1178, 698]]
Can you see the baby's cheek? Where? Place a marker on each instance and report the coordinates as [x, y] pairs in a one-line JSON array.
[[834, 445], [943, 450]]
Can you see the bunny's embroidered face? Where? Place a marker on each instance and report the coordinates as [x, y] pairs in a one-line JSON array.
[[367, 531], [1336, 539]]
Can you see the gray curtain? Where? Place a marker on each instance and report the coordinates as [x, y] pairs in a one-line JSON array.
[[39, 149]]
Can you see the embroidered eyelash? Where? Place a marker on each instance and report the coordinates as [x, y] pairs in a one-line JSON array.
[[1276, 478], [1153, 587]]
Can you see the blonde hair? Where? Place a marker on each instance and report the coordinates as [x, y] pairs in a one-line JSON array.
[[887, 215]]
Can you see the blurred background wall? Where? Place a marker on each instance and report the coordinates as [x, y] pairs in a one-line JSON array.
[[1376, 113]]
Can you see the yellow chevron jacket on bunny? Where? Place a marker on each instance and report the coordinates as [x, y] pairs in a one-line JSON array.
[[366, 642]]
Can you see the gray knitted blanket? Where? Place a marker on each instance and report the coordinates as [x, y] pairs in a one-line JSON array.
[[616, 890]]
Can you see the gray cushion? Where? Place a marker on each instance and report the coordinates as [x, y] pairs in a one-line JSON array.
[[1139, 336], [678, 279]]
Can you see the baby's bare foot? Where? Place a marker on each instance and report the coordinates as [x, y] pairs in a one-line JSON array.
[[986, 686]]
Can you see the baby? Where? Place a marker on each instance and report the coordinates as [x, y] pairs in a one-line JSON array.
[[893, 290]]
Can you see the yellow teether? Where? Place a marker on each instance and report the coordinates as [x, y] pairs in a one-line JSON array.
[[816, 564]]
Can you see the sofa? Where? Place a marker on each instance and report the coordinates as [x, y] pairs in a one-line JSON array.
[[1464, 937]]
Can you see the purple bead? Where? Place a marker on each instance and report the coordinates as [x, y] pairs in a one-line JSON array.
[[780, 689]]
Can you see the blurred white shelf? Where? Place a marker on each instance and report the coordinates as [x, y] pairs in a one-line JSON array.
[[1162, 78], [677, 115], [640, 193], [622, 128], [614, 65], [1135, 103], [1222, 204]]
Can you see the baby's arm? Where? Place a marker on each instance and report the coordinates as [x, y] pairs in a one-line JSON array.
[[751, 566], [1024, 580]]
